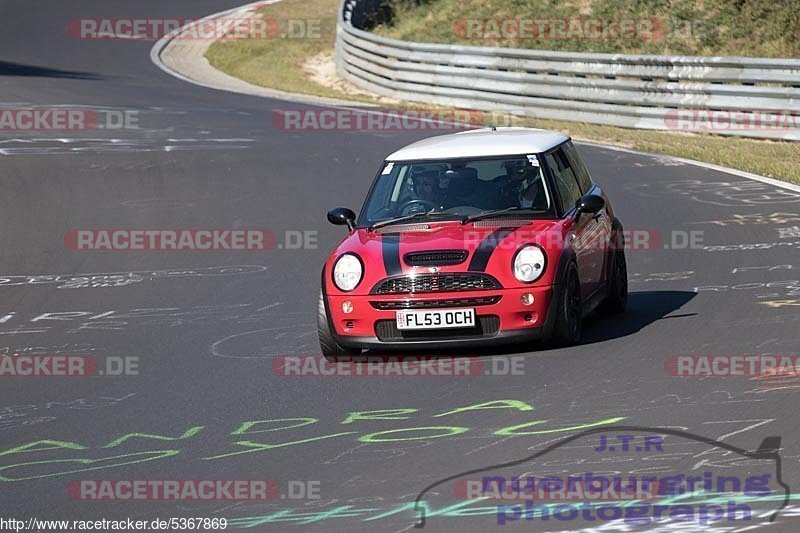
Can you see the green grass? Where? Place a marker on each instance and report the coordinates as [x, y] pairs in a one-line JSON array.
[[277, 64], [757, 28]]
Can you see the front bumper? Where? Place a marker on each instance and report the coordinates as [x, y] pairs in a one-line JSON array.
[[501, 316]]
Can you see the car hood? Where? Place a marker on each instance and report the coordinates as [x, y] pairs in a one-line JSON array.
[[489, 245]]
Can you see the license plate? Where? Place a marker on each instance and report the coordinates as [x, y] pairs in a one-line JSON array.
[[435, 319]]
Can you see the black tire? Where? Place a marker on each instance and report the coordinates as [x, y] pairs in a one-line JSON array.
[[330, 348], [617, 297], [569, 319]]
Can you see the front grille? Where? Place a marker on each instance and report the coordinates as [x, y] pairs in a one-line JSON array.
[[487, 326], [443, 282], [433, 304], [440, 258]]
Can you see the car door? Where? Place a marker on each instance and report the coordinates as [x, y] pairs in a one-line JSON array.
[[585, 233], [604, 217]]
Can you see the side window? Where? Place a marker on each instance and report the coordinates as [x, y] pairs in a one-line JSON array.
[[581, 172], [564, 178]]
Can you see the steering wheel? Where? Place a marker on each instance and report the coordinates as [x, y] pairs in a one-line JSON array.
[[416, 206]]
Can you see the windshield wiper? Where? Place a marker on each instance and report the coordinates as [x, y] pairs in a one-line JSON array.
[[403, 218], [495, 212]]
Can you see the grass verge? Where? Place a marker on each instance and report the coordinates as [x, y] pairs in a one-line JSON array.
[[756, 28], [278, 64]]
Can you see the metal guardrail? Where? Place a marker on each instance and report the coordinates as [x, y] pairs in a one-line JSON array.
[[749, 97]]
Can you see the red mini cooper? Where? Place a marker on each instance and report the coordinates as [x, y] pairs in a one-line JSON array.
[[476, 238]]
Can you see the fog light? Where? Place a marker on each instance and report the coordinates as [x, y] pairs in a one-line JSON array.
[[347, 306], [526, 298]]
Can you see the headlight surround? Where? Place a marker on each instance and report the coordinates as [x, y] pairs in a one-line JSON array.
[[529, 263], [347, 272]]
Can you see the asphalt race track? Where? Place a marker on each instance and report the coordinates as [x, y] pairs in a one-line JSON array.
[[206, 326]]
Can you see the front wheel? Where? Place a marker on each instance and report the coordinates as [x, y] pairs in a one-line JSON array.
[[569, 320], [330, 348]]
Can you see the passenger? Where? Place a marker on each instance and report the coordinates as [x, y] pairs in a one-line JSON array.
[[521, 186]]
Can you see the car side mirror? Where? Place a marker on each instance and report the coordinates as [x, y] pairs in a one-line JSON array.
[[591, 203], [341, 216]]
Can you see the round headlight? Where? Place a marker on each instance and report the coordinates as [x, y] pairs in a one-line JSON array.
[[347, 272], [529, 263]]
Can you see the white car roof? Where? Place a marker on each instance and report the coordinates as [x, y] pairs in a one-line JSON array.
[[484, 142]]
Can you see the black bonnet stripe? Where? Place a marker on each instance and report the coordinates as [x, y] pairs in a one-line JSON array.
[[390, 245], [480, 258]]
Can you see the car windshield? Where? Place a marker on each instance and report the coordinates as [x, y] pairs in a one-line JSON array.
[[457, 189]]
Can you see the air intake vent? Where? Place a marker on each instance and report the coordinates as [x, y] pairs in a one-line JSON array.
[[436, 258], [500, 222], [487, 326], [405, 228], [388, 305]]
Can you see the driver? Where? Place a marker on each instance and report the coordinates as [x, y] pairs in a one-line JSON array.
[[426, 187]]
